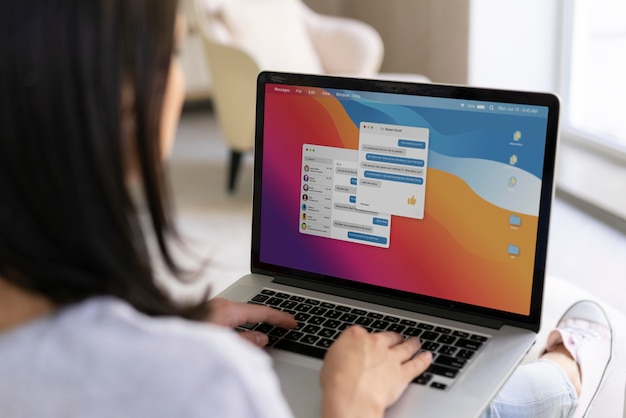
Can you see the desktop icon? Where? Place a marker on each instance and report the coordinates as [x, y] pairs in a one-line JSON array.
[[517, 136], [513, 159], [512, 181], [515, 220], [513, 250]]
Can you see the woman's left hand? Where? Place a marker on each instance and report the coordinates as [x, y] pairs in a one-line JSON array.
[[233, 314]]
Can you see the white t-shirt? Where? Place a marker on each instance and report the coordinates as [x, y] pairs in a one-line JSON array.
[[102, 358]]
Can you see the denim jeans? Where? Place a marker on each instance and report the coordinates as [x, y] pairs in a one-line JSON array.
[[537, 389]]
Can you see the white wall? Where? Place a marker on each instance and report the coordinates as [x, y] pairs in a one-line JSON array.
[[514, 44]]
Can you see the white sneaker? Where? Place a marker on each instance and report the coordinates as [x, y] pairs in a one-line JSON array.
[[585, 331]]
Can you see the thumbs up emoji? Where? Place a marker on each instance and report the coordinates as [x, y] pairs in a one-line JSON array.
[[411, 200]]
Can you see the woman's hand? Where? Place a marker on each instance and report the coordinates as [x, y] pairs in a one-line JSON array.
[[365, 373], [233, 314]]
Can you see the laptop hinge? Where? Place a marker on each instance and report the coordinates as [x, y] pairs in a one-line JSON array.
[[397, 303]]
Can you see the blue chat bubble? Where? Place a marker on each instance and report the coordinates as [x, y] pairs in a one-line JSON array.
[[367, 237], [381, 221], [394, 160], [411, 144], [393, 177]]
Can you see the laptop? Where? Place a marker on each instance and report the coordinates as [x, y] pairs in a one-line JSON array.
[[417, 208]]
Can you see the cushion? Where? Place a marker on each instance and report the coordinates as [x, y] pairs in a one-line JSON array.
[[274, 32]]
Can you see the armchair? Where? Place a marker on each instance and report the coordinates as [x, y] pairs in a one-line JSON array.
[[244, 37]]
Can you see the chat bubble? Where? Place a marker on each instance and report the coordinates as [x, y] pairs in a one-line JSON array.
[[411, 144], [345, 189], [352, 226], [409, 171], [346, 171], [393, 177], [394, 160], [383, 149]]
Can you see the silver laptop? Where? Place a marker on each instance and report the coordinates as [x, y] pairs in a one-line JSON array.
[[417, 208]]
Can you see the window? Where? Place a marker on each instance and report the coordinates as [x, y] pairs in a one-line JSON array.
[[595, 71]]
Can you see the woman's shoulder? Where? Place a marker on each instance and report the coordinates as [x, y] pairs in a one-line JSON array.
[[106, 350]]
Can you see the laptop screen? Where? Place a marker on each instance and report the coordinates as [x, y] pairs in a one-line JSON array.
[[424, 190]]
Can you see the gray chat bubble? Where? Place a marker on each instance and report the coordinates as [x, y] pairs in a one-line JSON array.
[[383, 150], [345, 189], [369, 183], [353, 227], [346, 171]]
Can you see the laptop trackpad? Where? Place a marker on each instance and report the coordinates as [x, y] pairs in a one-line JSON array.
[[301, 388]]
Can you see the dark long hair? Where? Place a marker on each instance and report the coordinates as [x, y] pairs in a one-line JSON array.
[[69, 228]]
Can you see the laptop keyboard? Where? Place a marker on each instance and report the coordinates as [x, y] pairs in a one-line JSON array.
[[321, 322]]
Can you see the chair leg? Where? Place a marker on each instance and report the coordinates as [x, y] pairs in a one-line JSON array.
[[235, 162]]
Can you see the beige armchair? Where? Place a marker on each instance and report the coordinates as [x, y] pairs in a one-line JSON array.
[[244, 37]]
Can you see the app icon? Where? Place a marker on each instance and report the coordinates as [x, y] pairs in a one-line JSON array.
[[513, 159], [517, 136], [513, 250], [512, 181], [515, 220]]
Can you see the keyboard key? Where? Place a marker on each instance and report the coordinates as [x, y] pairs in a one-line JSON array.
[[332, 323], [468, 344], [312, 302], [423, 378], [288, 304], [455, 363], [264, 328], [374, 315], [438, 385], [460, 334], [278, 332], [298, 299], [299, 348], [429, 335], [389, 318], [324, 342], [446, 339], [396, 328], [412, 332], [343, 326], [294, 335], [303, 307], [260, 298], [343, 308], [430, 346], [318, 310], [443, 330], [466, 354], [317, 320], [311, 329], [447, 350], [442, 371], [268, 292], [379, 325], [359, 312], [425, 326], [283, 295], [302, 317], [408, 322], [274, 301], [327, 333], [364, 321], [333, 314], [309, 339], [480, 338], [348, 317], [327, 305]]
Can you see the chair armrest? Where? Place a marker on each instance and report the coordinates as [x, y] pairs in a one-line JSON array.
[[233, 72], [345, 46]]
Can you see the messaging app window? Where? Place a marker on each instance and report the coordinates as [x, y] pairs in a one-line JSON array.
[[328, 199], [392, 162]]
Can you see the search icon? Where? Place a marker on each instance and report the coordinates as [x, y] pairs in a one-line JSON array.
[[490, 107]]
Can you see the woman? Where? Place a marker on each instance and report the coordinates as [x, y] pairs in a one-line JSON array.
[[91, 95]]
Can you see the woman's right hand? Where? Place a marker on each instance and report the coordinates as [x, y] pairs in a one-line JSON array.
[[364, 373]]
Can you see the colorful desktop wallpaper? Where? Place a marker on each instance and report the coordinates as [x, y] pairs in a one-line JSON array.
[[479, 201]]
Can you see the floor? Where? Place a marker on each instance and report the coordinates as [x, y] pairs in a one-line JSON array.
[[582, 249]]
